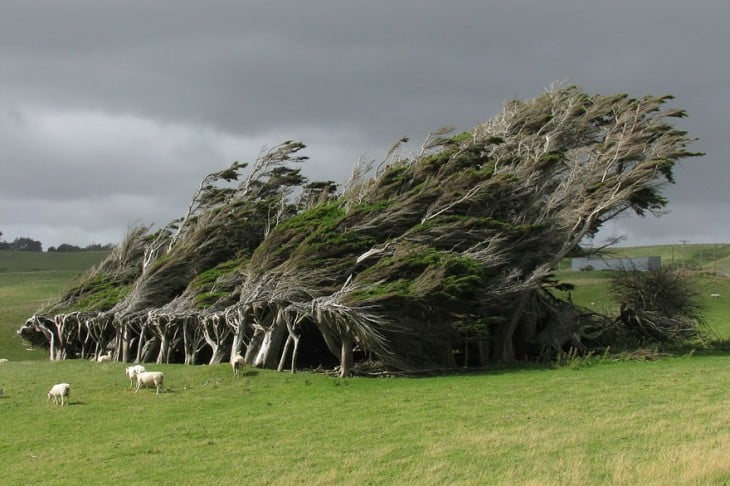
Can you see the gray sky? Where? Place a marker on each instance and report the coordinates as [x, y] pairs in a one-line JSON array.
[[111, 112]]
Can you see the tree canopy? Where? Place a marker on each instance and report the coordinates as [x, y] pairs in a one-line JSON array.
[[437, 259]]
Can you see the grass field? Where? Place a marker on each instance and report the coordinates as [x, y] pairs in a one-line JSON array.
[[597, 421], [625, 422], [28, 280], [711, 257]]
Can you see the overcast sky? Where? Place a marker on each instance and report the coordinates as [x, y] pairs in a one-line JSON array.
[[111, 112]]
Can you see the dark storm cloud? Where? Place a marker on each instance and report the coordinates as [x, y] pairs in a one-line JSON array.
[[141, 99]]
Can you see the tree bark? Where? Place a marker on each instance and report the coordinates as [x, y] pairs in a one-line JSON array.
[[237, 323], [270, 346], [346, 356], [504, 345], [284, 354]]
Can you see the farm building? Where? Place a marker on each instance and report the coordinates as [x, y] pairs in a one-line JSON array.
[[641, 264]]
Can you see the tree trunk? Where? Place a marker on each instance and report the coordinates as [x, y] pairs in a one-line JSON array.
[[254, 345], [294, 355], [51, 346], [163, 349], [215, 334], [239, 331], [284, 354], [59, 323], [126, 336], [504, 349], [346, 357], [148, 350], [217, 355], [141, 344], [270, 346], [190, 343]]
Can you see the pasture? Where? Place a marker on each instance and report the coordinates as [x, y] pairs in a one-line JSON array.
[[604, 420], [28, 280], [620, 422]]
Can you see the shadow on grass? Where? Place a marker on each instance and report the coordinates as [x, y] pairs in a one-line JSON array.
[[67, 404]]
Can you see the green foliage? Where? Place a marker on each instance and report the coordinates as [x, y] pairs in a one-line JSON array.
[[323, 245], [365, 209], [462, 137], [207, 279], [211, 285], [444, 280], [100, 294], [383, 290], [323, 215]]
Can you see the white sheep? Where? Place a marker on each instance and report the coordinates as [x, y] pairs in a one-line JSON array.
[[237, 363], [104, 358], [59, 391], [3, 360], [131, 371], [714, 296], [150, 378]]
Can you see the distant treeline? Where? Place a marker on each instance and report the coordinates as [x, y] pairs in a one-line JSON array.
[[65, 247], [29, 244]]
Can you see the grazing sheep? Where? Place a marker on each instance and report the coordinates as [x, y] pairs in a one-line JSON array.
[[149, 378], [59, 391], [132, 371], [3, 360], [104, 358], [714, 296], [237, 363]]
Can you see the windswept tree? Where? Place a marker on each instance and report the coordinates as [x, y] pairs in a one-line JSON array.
[[440, 259]]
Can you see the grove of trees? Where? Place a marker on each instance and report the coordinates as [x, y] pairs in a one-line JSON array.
[[21, 244], [438, 259]]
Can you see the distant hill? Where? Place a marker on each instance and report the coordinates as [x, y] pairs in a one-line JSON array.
[[712, 257], [33, 261]]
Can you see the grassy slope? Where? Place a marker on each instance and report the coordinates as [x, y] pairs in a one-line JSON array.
[[711, 257], [661, 422], [28, 280]]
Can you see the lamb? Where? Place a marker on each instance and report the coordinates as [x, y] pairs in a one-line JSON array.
[[237, 363], [104, 358], [59, 391], [150, 378], [132, 371]]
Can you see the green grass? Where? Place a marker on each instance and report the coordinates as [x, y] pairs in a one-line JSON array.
[[30, 261], [711, 257], [28, 281], [627, 422]]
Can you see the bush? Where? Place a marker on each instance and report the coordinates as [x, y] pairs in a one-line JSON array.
[[661, 306]]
